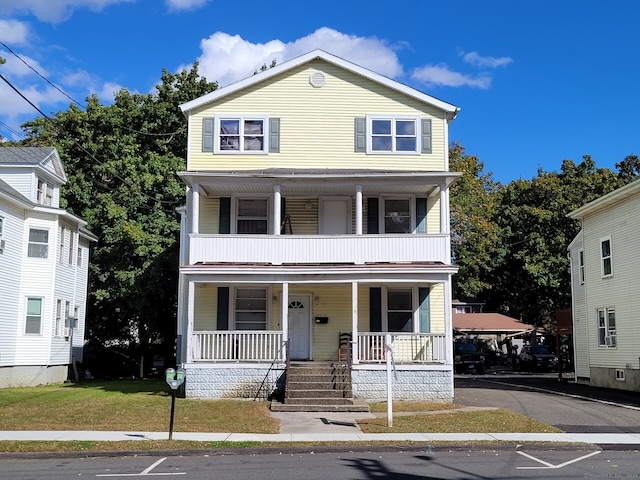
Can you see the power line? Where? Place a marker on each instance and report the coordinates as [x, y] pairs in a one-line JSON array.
[[79, 145]]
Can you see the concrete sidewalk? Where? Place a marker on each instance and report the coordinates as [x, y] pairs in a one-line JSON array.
[[587, 438]]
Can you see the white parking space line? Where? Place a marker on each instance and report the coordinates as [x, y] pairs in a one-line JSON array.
[[548, 465], [146, 472]]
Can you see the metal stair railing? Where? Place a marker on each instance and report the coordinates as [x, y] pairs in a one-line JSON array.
[[284, 344]]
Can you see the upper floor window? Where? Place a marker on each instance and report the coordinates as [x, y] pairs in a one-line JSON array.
[[252, 216], [61, 233], [606, 327], [397, 215], [33, 320], [71, 247], [605, 255], [38, 243], [581, 266], [79, 257], [45, 193], [240, 134], [1, 225]]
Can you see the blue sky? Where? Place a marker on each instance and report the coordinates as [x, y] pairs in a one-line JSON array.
[[537, 82]]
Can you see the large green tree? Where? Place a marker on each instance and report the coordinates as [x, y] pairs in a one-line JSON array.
[[121, 162], [530, 279], [474, 233]]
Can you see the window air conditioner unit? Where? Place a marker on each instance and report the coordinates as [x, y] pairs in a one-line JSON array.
[[67, 332], [610, 341]]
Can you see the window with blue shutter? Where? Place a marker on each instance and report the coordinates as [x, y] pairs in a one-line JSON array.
[[207, 134]]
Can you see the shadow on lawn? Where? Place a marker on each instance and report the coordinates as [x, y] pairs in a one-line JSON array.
[[151, 387]]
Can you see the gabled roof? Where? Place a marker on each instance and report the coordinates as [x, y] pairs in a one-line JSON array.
[[451, 110], [487, 322], [10, 193], [33, 157], [618, 195]]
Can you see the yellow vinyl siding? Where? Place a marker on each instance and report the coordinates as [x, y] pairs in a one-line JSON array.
[[433, 215], [205, 307], [436, 308], [317, 124], [209, 215], [303, 221]]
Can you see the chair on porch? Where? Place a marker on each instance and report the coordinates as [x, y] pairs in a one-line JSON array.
[[344, 346]]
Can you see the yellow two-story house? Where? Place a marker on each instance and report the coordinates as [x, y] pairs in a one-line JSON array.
[[317, 210]]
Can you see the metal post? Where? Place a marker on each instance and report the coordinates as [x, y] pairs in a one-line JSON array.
[[173, 409], [388, 347]]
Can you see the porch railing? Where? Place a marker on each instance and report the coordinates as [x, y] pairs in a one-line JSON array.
[[265, 346], [237, 345], [407, 347]]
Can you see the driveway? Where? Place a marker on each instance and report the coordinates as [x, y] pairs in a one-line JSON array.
[[564, 404]]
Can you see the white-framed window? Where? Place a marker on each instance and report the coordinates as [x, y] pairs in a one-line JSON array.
[[45, 193], [33, 317], [79, 257], [393, 134], [581, 266], [397, 215], [252, 216], [1, 225], [241, 134], [61, 234], [71, 247], [400, 310], [606, 318], [606, 257], [250, 309], [38, 243], [59, 322]]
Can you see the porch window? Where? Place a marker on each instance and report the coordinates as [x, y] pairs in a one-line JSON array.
[[400, 310], [38, 243], [606, 327], [253, 216], [397, 215], [251, 309]]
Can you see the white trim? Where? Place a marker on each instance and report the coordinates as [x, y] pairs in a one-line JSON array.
[[602, 258], [383, 198], [394, 135]]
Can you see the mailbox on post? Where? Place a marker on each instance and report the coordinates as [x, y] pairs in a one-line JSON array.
[[174, 378]]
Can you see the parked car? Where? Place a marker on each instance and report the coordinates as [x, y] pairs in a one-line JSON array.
[[467, 358], [539, 358]]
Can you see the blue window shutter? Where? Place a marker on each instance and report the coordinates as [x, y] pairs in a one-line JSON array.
[[224, 225], [207, 134], [425, 316], [426, 136], [372, 215], [274, 135], [375, 309], [421, 215], [361, 135], [223, 308]]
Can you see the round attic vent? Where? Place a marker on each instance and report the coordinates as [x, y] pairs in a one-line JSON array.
[[317, 79]]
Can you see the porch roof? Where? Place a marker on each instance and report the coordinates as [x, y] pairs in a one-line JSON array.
[[304, 181], [426, 272]]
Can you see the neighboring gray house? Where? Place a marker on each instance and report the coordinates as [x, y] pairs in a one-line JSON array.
[[44, 257], [605, 287]]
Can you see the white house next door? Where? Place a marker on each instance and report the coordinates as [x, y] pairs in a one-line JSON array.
[[300, 327]]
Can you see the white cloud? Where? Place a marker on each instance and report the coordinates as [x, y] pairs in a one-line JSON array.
[[13, 32], [17, 68], [475, 59], [179, 5], [228, 58], [442, 75], [53, 11], [82, 80]]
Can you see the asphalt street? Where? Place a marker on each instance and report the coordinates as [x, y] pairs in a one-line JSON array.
[[569, 406]]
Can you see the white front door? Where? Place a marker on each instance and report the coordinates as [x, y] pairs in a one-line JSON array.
[[300, 327], [335, 215]]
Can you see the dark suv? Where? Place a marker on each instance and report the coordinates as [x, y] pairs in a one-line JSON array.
[[538, 358], [467, 358]]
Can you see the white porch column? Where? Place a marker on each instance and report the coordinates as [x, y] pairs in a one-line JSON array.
[[358, 209], [191, 295], [444, 212], [276, 209], [195, 208], [284, 316], [354, 323]]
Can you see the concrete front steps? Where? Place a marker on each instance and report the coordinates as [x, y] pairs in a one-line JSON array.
[[319, 387]]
